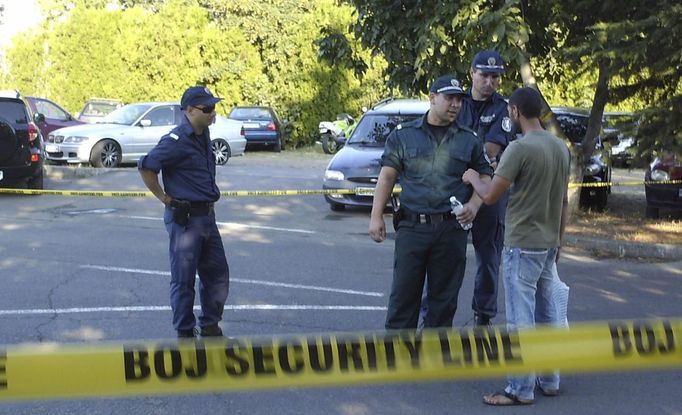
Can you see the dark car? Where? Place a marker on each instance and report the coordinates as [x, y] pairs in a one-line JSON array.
[[21, 144], [260, 126], [54, 115], [356, 166], [573, 122], [620, 129], [663, 196]]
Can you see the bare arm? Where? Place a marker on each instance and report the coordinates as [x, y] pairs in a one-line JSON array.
[[564, 219], [489, 191], [472, 207], [151, 180], [377, 227], [492, 150]]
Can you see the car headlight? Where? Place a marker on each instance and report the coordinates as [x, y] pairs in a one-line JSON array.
[[75, 139], [333, 175], [659, 175], [592, 169]]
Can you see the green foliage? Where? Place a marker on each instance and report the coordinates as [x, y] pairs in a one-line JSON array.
[[143, 50]]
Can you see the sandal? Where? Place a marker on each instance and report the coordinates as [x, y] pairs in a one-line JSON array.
[[504, 399]]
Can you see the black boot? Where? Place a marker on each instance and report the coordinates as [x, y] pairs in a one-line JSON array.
[[481, 320]]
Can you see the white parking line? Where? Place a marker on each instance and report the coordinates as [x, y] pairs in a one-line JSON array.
[[238, 225], [263, 307], [244, 281]]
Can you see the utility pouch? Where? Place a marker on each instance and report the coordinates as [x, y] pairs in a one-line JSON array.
[[181, 209]]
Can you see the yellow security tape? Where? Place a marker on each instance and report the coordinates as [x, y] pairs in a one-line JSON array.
[[231, 364], [367, 191]]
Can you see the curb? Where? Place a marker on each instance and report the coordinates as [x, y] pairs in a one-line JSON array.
[[625, 249], [73, 172]]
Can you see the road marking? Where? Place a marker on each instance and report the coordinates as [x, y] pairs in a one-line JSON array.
[[245, 281], [238, 225], [262, 307]]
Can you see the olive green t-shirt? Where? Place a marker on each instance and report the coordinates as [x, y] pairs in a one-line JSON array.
[[538, 164]]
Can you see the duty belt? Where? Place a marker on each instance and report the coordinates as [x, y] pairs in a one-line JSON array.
[[200, 208], [428, 218]]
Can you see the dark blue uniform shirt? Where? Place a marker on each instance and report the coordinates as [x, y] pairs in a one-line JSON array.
[[490, 122], [431, 172], [186, 163]]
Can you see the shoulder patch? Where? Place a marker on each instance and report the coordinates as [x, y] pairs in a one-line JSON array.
[[506, 124], [174, 136]]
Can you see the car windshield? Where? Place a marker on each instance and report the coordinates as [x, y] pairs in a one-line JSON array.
[[99, 109], [574, 126], [14, 111], [250, 114], [127, 114], [373, 129]]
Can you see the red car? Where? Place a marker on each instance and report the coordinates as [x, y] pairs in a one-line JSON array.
[[55, 116], [663, 196]]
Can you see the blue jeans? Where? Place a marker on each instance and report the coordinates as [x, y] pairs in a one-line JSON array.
[[533, 294]]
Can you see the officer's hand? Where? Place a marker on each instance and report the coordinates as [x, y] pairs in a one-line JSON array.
[[469, 175], [468, 213], [377, 229]]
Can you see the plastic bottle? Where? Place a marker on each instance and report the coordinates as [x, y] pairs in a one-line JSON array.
[[456, 209]]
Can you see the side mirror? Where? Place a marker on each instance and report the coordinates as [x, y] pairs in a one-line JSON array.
[[39, 118], [146, 123]]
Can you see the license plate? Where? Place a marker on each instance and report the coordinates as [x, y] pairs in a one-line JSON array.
[[251, 125], [52, 148], [364, 191]]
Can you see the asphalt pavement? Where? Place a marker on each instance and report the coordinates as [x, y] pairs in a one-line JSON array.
[[81, 269]]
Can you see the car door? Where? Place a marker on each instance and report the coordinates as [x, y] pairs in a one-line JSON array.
[[55, 116], [149, 129]]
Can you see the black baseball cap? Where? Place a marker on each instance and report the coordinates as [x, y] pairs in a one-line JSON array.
[[488, 61], [447, 84], [198, 95]]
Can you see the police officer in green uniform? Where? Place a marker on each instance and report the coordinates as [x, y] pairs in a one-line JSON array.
[[429, 155]]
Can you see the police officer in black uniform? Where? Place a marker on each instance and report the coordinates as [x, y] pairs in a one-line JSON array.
[[428, 154], [185, 158], [485, 111]]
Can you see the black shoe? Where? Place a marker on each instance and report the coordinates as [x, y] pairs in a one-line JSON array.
[[208, 331], [481, 320], [186, 334]]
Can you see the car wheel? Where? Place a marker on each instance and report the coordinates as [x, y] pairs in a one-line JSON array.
[[337, 207], [600, 199], [36, 182], [283, 143], [221, 151], [278, 146], [651, 212], [106, 153]]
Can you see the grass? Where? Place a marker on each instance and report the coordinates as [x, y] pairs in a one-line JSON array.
[[624, 220]]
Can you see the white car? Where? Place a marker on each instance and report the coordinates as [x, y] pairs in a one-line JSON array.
[[129, 132]]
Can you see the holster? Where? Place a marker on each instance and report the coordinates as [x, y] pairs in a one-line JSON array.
[[397, 213], [181, 210]]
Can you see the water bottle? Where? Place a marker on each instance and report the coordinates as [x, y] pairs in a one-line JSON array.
[[456, 209]]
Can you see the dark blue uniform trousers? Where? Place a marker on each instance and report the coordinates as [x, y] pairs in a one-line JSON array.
[[487, 236], [434, 250], [197, 249]]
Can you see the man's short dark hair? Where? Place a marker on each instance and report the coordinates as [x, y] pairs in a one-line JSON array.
[[528, 101]]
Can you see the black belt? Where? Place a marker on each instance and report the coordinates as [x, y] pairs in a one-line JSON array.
[[427, 218], [200, 208]]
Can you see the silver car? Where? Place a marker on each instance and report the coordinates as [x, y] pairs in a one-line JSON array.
[[129, 132]]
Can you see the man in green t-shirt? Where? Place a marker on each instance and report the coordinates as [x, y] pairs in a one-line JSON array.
[[536, 167]]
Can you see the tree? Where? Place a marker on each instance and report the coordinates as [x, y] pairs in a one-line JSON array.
[[632, 45]]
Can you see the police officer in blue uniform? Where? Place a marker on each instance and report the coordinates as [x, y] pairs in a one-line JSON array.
[[428, 155], [186, 161], [485, 112]]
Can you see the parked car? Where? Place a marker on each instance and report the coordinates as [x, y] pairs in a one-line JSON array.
[[21, 144], [663, 196], [54, 116], [620, 129], [130, 132], [357, 164], [260, 126], [573, 122], [96, 108]]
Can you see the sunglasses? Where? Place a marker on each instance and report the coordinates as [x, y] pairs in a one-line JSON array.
[[206, 110]]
